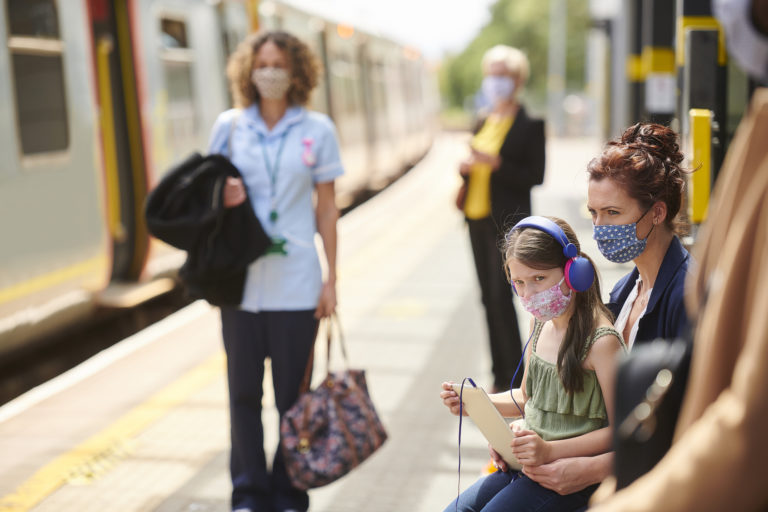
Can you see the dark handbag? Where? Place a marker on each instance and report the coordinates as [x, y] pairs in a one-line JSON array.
[[330, 429], [650, 385]]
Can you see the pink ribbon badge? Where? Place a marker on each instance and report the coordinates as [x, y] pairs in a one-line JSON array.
[[307, 156]]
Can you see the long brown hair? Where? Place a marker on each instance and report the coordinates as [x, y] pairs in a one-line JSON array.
[[537, 249]]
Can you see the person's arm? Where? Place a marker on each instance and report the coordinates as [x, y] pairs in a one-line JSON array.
[[566, 476], [524, 166], [327, 215]]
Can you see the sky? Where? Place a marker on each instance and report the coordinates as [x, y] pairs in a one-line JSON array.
[[433, 26]]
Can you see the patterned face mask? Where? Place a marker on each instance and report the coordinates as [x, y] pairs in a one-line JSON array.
[[548, 304], [619, 243], [272, 83]]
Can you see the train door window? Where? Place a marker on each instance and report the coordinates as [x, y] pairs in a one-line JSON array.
[[177, 59], [36, 52]]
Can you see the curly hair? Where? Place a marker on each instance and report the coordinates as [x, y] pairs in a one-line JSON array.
[[305, 69], [645, 162]]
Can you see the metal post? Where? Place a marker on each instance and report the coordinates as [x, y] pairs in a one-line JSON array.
[[658, 60]]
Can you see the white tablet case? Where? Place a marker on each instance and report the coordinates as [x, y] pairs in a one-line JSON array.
[[490, 422]]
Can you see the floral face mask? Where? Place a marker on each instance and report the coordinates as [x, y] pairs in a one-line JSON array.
[[547, 304]]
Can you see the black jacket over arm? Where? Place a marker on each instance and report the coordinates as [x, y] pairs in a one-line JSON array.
[[186, 210], [522, 166]]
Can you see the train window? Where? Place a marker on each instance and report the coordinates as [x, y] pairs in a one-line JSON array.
[[33, 18], [177, 59], [38, 75], [174, 33]]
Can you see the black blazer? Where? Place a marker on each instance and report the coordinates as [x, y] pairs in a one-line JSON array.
[[186, 210], [665, 315], [522, 166]]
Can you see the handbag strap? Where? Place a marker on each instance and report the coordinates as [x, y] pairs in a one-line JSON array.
[[231, 133], [328, 323]]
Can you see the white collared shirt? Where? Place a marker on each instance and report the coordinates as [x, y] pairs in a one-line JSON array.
[[621, 320], [310, 155]]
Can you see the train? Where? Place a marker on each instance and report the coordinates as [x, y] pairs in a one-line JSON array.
[[99, 98]]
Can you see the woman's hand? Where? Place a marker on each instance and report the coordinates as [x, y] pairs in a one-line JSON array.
[[465, 167], [326, 305], [234, 192], [451, 398], [529, 448], [485, 158]]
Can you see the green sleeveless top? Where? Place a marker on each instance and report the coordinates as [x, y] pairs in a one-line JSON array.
[[551, 411]]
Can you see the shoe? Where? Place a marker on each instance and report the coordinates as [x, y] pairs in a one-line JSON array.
[[489, 468], [242, 510]]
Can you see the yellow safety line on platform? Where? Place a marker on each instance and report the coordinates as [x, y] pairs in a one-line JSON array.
[[44, 281], [56, 473]]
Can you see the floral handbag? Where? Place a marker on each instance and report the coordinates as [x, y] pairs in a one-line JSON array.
[[330, 429]]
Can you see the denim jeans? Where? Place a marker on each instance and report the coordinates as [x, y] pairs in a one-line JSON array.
[[513, 491]]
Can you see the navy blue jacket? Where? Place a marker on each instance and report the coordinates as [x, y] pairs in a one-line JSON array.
[[665, 316]]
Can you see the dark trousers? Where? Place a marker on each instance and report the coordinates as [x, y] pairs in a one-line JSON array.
[[286, 337], [496, 293]]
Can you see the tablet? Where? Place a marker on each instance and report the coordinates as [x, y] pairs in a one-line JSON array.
[[490, 422]]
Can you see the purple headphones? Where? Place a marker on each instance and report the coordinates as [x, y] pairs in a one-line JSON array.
[[579, 272]]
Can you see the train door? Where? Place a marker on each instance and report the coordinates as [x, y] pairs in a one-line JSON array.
[[54, 251], [123, 151]]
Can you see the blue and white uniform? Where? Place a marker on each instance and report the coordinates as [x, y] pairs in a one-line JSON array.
[[280, 168]]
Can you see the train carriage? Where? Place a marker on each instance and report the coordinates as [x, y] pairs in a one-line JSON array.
[[100, 97]]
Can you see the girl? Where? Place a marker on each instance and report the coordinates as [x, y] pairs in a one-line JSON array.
[[566, 397]]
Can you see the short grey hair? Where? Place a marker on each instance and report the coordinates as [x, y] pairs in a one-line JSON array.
[[515, 60]]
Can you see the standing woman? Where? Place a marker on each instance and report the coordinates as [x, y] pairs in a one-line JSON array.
[[286, 156], [634, 196], [507, 159]]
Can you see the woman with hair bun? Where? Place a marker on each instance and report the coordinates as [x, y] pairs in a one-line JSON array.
[[635, 194]]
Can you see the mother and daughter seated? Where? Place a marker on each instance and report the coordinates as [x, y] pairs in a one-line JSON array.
[[566, 395]]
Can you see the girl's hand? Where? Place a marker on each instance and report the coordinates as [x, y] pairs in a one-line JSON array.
[[450, 398], [326, 305], [529, 448], [465, 167], [234, 192], [497, 460]]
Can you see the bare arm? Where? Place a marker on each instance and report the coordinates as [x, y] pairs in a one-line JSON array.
[[326, 215], [601, 359]]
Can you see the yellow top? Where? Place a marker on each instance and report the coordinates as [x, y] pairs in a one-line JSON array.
[[488, 140]]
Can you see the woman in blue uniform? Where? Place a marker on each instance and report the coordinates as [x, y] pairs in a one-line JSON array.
[[285, 154]]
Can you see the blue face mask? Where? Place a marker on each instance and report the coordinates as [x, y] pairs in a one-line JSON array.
[[498, 88], [619, 243]]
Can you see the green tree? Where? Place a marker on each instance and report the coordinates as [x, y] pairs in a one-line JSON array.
[[523, 24]]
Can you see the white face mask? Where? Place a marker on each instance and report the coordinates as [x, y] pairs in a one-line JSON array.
[[272, 83], [745, 43], [498, 88]]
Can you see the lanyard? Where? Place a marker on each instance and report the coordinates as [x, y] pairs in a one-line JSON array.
[[272, 171]]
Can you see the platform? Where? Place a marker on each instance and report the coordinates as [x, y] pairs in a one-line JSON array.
[[143, 426]]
